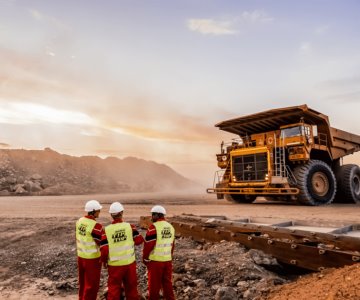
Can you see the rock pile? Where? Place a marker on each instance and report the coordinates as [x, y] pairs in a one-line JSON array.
[[222, 271], [46, 172], [14, 181]]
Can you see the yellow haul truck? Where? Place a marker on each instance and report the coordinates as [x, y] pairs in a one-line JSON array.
[[289, 154]]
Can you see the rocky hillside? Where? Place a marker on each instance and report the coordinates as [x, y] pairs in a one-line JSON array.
[[46, 172]]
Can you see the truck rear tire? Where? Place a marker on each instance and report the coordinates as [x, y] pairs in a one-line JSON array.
[[348, 181], [316, 182], [240, 198]]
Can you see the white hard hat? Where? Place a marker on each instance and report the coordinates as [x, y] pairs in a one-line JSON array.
[[115, 208], [92, 205], [158, 209]]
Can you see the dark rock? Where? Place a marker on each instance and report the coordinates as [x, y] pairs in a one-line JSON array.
[[225, 293]]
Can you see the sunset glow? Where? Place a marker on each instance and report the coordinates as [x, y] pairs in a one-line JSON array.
[[150, 79]]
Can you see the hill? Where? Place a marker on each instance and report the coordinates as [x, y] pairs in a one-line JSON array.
[[47, 172]]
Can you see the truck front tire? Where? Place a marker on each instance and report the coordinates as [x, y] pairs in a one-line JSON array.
[[316, 182]]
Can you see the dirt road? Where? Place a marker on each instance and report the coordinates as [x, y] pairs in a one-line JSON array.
[[138, 204], [37, 252]]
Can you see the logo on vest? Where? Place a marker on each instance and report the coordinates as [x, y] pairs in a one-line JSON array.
[[166, 233], [82, 229], [119, 236]]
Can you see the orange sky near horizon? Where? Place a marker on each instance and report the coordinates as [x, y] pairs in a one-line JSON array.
[[150, 79]]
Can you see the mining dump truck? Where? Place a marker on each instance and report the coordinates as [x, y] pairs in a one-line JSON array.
[[287, 154]]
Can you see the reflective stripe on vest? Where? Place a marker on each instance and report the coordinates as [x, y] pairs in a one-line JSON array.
[[121, 244], [165, 235], [86, 246]]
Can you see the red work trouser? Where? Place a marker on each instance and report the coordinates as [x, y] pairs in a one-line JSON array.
[[122, 275], [89, 278], [160, 277]]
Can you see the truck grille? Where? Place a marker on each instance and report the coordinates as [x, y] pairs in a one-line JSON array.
[[253, 167]]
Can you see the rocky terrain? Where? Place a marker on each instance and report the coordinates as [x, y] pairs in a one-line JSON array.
[[38, 256], [202, 271], [46, 172]]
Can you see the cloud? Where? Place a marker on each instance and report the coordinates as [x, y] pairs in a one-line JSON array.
[[154, 124], [38, 16], [4, 145], [33, 94], [346, 82], [48, 51], [230, 25], [346, 97], [30, 78], [344, 89], [256, 16], [31, 113], [210, 26]]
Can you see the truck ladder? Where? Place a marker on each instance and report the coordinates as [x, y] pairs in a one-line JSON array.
[[279, 158]]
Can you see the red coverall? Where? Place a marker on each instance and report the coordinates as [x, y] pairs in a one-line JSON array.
[[121, 275], [159, 273], [90, 269]]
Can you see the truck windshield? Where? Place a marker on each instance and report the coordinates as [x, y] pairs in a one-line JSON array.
[[291, 131]]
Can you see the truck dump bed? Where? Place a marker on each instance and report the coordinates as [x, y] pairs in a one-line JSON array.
[[341, 143]]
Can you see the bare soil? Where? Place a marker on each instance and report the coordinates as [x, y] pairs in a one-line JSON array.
[[38, 257]]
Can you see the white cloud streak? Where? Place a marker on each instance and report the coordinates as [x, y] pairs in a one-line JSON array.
[[23, 113], [210, 26], [256, 16], [38, 16]]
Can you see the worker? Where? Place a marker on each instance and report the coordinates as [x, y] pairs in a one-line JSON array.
[[119, 255], [157, 255], [88, 242]]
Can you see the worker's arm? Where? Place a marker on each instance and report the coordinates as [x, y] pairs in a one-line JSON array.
[[150, 242], [97, 232], [138, 239], [100, 239], [104, 248]]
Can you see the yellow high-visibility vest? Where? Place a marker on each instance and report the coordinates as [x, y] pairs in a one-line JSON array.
[[85, 244], [165, 235], [121, 244]]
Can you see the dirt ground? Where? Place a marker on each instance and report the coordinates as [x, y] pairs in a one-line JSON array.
[[38, 257]]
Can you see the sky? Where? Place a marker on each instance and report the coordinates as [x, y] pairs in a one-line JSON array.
[[150, 79]]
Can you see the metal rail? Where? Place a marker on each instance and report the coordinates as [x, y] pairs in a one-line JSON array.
[[291, 242]]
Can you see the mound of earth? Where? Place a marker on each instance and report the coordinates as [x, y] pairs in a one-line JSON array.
[[330, 284], [46, 172]]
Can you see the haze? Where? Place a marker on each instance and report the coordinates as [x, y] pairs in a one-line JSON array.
[[151, 78]]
